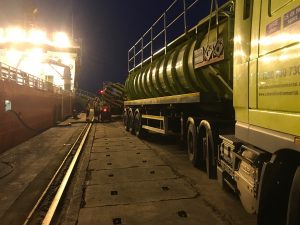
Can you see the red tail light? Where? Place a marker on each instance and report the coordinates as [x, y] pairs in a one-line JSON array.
[[105, 110]]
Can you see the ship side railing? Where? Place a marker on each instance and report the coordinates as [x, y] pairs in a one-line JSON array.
[[160, 36], [12, 74]]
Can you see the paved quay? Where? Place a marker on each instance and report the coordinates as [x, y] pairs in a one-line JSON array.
[[133, 182], [26, 169]]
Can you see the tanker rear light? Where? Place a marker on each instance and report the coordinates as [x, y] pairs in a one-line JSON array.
[[105, 109]]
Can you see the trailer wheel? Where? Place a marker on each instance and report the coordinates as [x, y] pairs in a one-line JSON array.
[[131, 121], [207, 145], [126, 120], [192, 145], [139, 131], [293, 216]]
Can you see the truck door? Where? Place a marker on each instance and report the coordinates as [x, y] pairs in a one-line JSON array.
[[242, 40], [275, 89]]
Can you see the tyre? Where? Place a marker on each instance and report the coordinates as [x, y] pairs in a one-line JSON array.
[[126, 120], [131, 122], [192, 145], [293, 214], [139, 131]]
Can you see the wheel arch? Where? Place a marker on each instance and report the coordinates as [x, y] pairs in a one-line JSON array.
[[188, 122], [274, 186], [209, 130], [138, 110]]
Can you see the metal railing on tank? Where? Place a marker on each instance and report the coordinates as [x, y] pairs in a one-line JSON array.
[[8, 73], [143, 50], [176, 21]]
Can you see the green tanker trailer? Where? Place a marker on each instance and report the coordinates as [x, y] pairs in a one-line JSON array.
[[230, 87], [193, 75], [175, 73]]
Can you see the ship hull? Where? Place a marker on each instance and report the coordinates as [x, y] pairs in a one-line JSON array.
[[33, 111]]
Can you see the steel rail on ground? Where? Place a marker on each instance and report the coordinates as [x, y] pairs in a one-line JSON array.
[[51, 211]]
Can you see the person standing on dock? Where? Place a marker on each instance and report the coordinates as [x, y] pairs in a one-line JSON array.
[[97, 109], [87, 110]]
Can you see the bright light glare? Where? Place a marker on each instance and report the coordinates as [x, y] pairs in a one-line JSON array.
[[36, 54], [15, 34], [237, 39], [283, 57], [34, 36], [282, 38], [31, 58], [239, 53], [269, 59], [37, 36], [2, 37], [13, 57], [66, 59], [61, 39]]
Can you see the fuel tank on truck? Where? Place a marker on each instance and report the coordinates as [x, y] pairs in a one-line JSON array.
[[202, 64]]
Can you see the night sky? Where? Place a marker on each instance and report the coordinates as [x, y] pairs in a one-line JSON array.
[[107, 28]]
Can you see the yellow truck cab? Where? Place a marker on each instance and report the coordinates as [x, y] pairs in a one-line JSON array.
[[266, 98]]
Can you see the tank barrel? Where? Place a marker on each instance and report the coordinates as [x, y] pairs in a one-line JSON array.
[[197, 62]]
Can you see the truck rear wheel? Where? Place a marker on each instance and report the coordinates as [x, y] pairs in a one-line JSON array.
[[139, 131], [192, 145], [125, 120], [131, 121], [293, 216]]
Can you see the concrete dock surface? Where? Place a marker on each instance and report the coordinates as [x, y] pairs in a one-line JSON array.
[[120, 179], [130, 181]]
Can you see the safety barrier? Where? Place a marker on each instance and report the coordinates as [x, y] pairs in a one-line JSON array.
[[11, 74]]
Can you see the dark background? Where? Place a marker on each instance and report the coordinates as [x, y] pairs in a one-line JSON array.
[[107, 29]]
